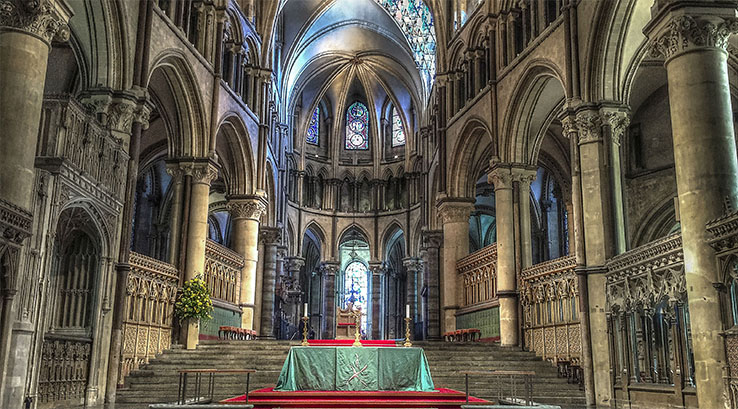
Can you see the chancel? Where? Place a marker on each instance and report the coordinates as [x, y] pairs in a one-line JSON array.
[[368, 203]]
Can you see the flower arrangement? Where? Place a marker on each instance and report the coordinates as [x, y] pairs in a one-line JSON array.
[[193, 300]]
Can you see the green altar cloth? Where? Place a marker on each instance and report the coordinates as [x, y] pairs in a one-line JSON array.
[[317, 368]]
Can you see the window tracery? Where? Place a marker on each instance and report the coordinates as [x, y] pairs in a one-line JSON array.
[[357, 127], [355, 287]]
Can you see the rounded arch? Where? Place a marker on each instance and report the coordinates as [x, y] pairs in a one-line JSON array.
[[532, 108], [172, 79]]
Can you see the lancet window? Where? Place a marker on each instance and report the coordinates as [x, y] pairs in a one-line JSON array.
[[398, 131], [357, 127], [313, 132]]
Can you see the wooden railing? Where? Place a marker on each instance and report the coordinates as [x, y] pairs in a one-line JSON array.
[[549, 296], [147, 327], [223, 272], [478, 276]]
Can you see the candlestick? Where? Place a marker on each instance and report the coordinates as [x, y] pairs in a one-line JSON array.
[[357, 334], [407, 343], [407, 310], [305, 310], [305, 330]]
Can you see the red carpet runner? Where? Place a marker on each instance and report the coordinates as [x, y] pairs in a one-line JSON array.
[[442, 398], [349, 342]]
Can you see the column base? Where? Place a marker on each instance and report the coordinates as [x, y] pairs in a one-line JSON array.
[[192, 334]]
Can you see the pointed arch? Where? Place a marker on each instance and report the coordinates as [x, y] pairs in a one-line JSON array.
[[235, 155], [473, 149]]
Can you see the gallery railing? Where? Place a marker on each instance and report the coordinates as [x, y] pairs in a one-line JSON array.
[[223, 272], [477, 274], [147, 326], [549, 296]]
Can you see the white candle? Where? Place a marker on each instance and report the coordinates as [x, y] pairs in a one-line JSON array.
[[305, 309], [407, 310]]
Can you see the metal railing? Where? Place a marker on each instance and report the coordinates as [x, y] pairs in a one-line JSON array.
[[514, 387], [198, 374]]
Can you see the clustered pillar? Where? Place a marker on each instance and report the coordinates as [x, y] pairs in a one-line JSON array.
[[270, 236]]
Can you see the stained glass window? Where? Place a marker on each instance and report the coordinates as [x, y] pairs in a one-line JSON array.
[[313, 132], [398, 132], [416, 22], [357, 126], [355, 288]]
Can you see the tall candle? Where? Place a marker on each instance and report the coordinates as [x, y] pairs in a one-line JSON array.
[[407, 310], [305, 309]]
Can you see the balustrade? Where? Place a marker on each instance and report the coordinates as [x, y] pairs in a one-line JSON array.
[[147, 327], [549, 297], [478, 276], [71, 134], [223, 272]]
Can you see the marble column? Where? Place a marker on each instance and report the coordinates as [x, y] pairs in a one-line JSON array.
[[270, 236], [329, 269], [432, 242], [454, 212], [501, 177], [200, 173], [693, 41], [246, 212], [378, 270]]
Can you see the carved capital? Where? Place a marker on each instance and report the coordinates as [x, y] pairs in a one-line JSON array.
[[589, 126], [432, 238], [524, 176], [201, 172], [619, 121], [377, 268], [44, 19], [455, 211], [329, 268], [682, 33], [270, 235], [294, 264], [413, 264], [500, 177], [250, 208]]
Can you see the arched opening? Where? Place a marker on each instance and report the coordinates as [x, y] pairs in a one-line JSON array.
[[311, 279], [482, 223], [549, 218], [353, 286], [395, 286]]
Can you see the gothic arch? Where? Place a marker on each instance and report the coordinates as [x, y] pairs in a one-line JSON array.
[[535, 99], [171, 75], [317, 230], [236, 155], [389, 234], [474, 148]]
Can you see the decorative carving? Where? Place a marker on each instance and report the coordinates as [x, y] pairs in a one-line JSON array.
[[684, 33], [201, 172], [294, 264], [413, 264], [329, 268], [619, 121], [455, 212], [65, 368], [478, 275], [589, 125], [524, 176], [223, 272], [270, 235], [247, 208], [15, 223], [120, 115], [500, 177], [39, 18], [432, 239]]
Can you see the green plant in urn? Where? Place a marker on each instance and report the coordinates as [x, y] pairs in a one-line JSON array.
[[193, 301]]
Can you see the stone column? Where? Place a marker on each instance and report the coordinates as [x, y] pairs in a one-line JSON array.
[[501, 177], [290, 273], [175, 171], [329, 269], [246, 212], [524, 177], [693, 41], [270, 236], [454, 213], [201, 173], [378, 270], [432, 242]]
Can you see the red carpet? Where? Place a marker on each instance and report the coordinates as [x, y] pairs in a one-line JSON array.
[[349, 342], [442, 398]]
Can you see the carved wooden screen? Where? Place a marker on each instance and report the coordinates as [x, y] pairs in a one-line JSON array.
[[65, 353], [478, 276]]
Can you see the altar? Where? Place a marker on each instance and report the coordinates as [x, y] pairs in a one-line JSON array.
[[336, 368]]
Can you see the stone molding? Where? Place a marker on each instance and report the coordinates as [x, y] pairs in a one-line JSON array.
[[684, 33], [329, 268], [294, 264], [377, 268], [15, 223], [455, 210], [588, 125], [270, 235], [44, 19], [619, 120], [432, 239], [247, 208], [524, 175]]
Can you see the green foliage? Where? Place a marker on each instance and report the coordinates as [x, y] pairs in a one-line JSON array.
[[193, 300]]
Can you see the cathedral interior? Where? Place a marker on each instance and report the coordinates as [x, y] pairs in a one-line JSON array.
[[559, 176]]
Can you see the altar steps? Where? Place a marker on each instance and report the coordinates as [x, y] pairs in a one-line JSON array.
[[156, 382]]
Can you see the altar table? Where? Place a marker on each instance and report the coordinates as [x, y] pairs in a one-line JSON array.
[[314, 368]]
